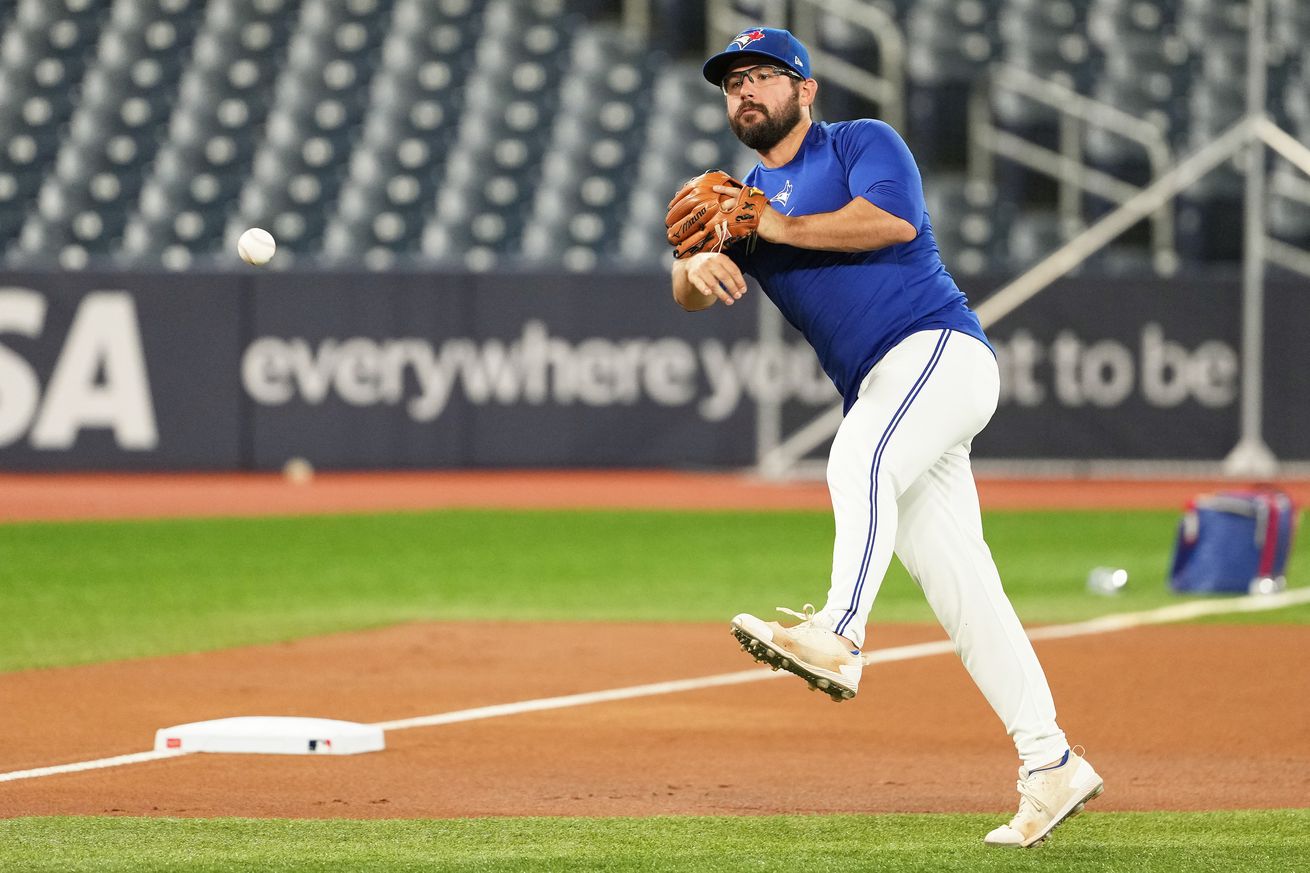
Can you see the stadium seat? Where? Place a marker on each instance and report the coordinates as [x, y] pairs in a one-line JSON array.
[[224, 98], [968, 223], [477, 213], [1048, 38], [950, 45], [43, 58], [319, 99], [482, 133], [597, 138], [399, 160], [1144, 72], [127, 95], [1216, 33], [950, 40]]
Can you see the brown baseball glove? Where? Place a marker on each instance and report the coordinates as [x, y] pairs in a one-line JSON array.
[[701, 218]]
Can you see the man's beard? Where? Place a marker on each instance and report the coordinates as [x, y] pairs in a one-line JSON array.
[[768, 132]]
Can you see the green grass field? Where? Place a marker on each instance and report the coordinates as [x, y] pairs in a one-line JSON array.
[[1145, 843], [86, 592], [94, 591]]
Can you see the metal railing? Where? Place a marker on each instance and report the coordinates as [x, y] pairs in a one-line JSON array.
[[637, 18], [1251, 136], [1291, 186], [1075, 178]]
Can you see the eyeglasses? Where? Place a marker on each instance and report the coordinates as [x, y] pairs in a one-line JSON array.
[[762, 74]]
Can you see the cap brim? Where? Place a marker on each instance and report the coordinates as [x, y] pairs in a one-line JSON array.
[[718, 66]]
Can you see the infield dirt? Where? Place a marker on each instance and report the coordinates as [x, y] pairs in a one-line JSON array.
[[31, 497], [1175, 718]]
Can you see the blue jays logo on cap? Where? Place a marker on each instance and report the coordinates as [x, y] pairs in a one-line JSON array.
[[745, 38], [771, 43]]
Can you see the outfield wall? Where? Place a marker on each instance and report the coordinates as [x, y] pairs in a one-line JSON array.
[[244, 370]]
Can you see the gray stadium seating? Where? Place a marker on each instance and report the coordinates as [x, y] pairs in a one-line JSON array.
[[224, 96], [598, 135], [415, 107], [127, 95], [45, 53], [497, 160], [475, 134]]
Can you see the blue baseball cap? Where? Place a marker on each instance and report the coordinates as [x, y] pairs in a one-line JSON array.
[[764, 42]]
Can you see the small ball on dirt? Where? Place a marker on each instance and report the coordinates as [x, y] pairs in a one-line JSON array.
[[298, 471]]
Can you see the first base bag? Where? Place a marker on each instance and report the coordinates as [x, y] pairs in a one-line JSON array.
[[1226, 540]]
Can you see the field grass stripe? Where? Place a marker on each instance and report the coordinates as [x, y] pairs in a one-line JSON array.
[[1104, 624]]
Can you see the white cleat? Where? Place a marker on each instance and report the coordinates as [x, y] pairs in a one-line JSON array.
[[816, 654], [1046, 798]]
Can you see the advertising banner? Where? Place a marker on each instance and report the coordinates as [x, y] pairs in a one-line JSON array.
[[497, 370], [119, 372], [1118, 369], [1113, 369], [359, 371]]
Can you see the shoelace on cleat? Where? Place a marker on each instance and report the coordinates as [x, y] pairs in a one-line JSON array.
[[1029, 798], [806, 615]]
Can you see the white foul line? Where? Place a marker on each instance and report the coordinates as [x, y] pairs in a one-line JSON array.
[[1169, 614], [118, 761], [1104, 624], [567, 700]]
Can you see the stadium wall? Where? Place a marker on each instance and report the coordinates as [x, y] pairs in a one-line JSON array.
[[226, 371]]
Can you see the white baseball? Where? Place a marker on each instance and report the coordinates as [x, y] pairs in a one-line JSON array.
[[298, 471], [256, 246]]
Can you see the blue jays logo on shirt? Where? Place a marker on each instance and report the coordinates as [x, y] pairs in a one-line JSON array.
[[782, 196], [745, 38]]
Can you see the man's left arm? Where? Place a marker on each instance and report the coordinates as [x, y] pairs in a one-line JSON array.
[[859, 226]]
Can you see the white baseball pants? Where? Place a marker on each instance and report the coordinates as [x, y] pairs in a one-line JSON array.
[[900, 480]]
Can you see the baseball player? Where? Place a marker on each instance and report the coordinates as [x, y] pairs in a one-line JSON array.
[[831, 223]]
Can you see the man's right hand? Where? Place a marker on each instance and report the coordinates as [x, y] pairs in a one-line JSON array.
[[703, 278]]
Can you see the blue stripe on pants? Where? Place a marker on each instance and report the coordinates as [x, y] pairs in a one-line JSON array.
[[873, 483]]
